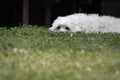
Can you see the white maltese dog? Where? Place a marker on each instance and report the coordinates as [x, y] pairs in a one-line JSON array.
[[88, 23]]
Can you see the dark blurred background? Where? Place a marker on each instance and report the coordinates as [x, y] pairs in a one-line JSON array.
[[43, 12]]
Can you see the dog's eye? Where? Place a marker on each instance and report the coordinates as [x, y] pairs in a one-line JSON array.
[[67, 28], [58, 27]]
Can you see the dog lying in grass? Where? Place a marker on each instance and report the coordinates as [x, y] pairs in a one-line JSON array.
[[88, 23]]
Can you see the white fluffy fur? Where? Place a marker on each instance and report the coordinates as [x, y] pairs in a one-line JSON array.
[[88, 23]]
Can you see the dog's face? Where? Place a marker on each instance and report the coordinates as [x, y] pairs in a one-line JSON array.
[[60, 25], [64, 24], [62, 28]]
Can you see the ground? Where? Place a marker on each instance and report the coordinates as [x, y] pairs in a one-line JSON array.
[[35, 53]]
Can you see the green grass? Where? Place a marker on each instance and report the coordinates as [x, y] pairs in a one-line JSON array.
[[35, 53]]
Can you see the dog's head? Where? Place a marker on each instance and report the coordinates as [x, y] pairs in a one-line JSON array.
[[61, 28], [65, 24], [62, 24]]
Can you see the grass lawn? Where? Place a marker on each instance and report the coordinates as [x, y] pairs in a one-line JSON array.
[[35, 53]]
